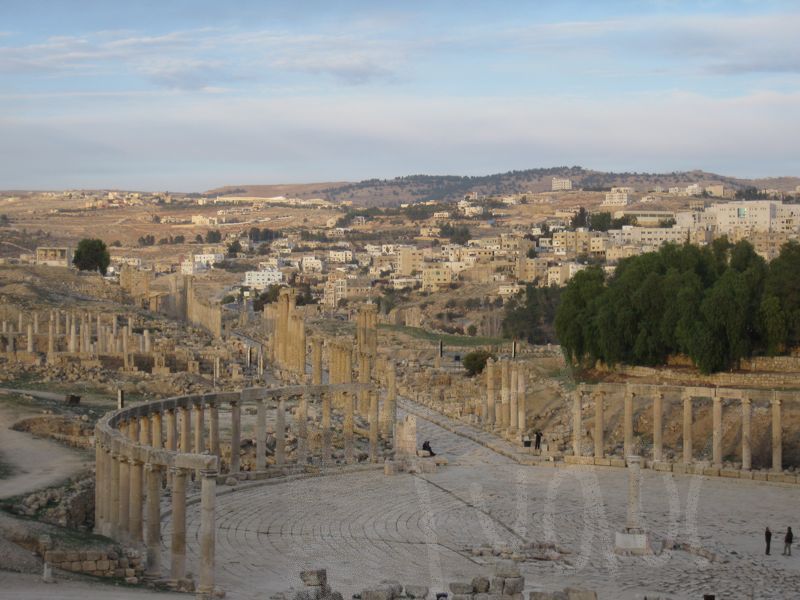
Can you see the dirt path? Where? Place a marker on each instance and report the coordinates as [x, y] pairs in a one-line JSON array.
[[35, 463]]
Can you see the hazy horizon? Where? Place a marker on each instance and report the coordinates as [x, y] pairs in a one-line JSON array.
[[195, 95]]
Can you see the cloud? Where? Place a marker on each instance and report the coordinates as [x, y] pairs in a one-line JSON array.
[[217, 141]]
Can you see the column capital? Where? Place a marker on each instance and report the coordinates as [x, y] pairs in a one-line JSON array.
[[179, 470], [775, 401], [150, 467], [209, 473], [746, 400]]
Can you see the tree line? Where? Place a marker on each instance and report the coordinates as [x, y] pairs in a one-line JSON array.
[[716, 305]]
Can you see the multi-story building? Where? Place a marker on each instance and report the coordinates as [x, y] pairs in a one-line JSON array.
[[311, 264], [340, 256], [263, 279], [560, 184], [618, 196], [648, 236], [756, 215], [409, 260], [208, 259], [435, 276]]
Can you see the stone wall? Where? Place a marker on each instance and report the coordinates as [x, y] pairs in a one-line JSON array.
[[202, 314], [120, 563]]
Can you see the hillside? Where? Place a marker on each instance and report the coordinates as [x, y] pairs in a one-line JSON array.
[[420, 188]]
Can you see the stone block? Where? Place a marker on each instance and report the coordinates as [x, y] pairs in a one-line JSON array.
[[732, 473], [92, 555], [119, 572], [418, 592], [395, 586], [75, 566], [317, 577], [760, 475], [480, 585], [602, 462], [617, 462], [513, 585], [459, 587], [497, 584], [72, 556], [102, 565], [382, 593], [132, 580], [679, 468], [55, 556], [506, 568], [130, 573], [460, 596], [578, 594], [662, 466], [711, 472], [745, 474]]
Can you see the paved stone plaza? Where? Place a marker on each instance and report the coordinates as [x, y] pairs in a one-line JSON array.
[[365, 527]]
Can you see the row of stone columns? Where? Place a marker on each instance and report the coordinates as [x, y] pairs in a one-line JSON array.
[[688, 396], [510, 413]]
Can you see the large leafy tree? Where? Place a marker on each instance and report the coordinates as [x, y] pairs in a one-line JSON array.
[[91, 255]]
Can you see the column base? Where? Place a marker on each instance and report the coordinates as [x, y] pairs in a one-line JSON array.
[[632, 542]]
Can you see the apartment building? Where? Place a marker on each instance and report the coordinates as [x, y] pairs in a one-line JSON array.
[[409, 260], [436, 276], [262, 279], [561, 184], [618, 196]]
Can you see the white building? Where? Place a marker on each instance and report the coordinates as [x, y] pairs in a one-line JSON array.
[[756, 215], [561, 184], [263, 279], [618, 196], [311, 264], [208, 259], [340, 256]]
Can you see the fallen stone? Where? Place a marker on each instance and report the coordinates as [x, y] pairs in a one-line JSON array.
[[384, 593], [419, 592], [480, 585], [506, 568], [513, 585], [314, 577]]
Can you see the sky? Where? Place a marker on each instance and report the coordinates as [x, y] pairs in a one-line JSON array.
[[187, 95]]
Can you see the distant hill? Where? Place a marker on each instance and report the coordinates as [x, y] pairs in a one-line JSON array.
[[420, 188]]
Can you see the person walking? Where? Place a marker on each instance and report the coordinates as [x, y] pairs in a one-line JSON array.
[[768, 538], [787, 542], [538, 440]]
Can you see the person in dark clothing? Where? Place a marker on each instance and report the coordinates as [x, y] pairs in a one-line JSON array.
[[768, 538], [787, 542], [426, 445], [538, 443]]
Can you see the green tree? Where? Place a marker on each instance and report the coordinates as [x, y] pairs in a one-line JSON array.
[[213, 236], [234, 248], [475, 362], [575, 319], [268, 296], [91, 255]]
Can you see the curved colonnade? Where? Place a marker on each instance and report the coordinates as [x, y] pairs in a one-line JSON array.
[[142, 449]]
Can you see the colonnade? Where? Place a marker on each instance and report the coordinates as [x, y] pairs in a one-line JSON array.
[[599, 397], [141, 448], [508, 410], [287, 333]]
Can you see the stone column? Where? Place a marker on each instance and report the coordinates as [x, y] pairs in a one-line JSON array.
[[577, 422], [349, 454], [628, 421], [389, 415], [513, 412], [373, 427], [199, 425], [316, 361], [113, 528], [634, 492], [213, 429], [51, 341], [36, 323], [280, 434], [136, 470], [125, 357], [301, 424], [109, 526], [777, 443], [261, 435], [148, 346], [364, 370], [687, 428], [186, 430], [124, 499], [30, 338], [172, 430], [73, 340], [488, 407], [236, 435], [208, 489], [153, 520], [99, 485], [178, 541], [746, 452], [326, 427], [522, 401], [157, 434], [504, 394], [716, 436], [658, 416], [599, 425]]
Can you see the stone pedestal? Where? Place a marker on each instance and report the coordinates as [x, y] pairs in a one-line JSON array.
[[633, 539]]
